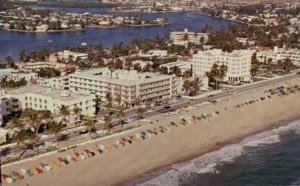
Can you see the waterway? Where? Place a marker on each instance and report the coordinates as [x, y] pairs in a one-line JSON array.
[[11, 43]]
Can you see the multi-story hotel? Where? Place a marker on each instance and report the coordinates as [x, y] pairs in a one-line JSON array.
[[125, 87], [238, 63], [43, 98], [67, 54], [17, 76], [60, 83], [182, 38], [279, 54], [38, 65]]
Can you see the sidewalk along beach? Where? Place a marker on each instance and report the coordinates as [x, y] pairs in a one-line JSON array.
[[168, 140]]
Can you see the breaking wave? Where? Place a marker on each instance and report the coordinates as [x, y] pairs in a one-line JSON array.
[[207, 163]]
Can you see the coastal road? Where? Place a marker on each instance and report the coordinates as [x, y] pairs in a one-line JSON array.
[[75, 135]]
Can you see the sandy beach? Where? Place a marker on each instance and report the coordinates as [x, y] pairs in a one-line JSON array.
[[116, 166]]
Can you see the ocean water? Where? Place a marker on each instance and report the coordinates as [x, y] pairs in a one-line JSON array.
[[11, 43], [270, 158]]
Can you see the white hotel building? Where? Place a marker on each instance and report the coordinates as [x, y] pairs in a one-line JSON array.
[[125, 87], [238, 63], [183, 37], [41, 98], [279, 54]]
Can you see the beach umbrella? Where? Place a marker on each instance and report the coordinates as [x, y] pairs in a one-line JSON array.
[[101, 146], [66, 162], [94, 148], [100, 151], [129, 141], [86, 151], [115, 146], [15, 175], [55, 164], [82, 157], [137, 135], [76, 154], [9, 180], [47, 167], [38, 170], [131, 137], [4, 176], [24, 172], [60, 159]]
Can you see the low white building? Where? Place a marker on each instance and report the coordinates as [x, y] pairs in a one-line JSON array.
[[238, 63], [60, 83], [155, 53], [125, 87], [6, 72], [17, 76], [182, 65], [183, 37], [279, 54], [67, 54], [37, 65], [42, 98]]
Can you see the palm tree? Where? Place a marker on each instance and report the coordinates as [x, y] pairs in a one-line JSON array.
[[33, 116], [176, 71], [222, 72], [20, 137], [33, 139], [64, 111], [121, 115], [108, 124], [3, 82], [77, 111], [186, 86], [91, 125], [140, 111], [217, 74], [195, 86], [55, 129], [288, 65], [14, 123]]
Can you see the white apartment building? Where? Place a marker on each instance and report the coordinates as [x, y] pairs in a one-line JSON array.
[[183, 37], [61, 83], [125, 87], [182, 65], [38, 65], [279, 54], [42, 98], [154, 53], [67, 54], [17, 76], [238, 63]]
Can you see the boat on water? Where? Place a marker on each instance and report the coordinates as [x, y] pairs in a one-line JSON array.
[[50, 41], [83, 44]]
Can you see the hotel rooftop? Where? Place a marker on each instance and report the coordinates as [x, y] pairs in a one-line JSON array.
[[121, 77], [44, 91]]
